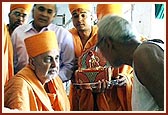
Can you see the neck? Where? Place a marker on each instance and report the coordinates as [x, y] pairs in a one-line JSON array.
[[85, 35], [38, 29], [130, 55]]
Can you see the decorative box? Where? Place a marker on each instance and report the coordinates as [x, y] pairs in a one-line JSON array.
[[92, 67]]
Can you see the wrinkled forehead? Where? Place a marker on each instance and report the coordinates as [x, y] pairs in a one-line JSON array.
[[79, 11]]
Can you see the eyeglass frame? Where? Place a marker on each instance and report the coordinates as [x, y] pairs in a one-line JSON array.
[[18, 14]]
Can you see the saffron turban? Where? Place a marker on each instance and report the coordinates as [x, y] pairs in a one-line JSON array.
[[41, 43], [26, 7], [73, 7], [105, 9]]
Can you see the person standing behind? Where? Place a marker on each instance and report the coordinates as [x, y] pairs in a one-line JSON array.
[[85, 37], [84, 33], [37, 86], [43, 16], [120, 45], [17, 16]]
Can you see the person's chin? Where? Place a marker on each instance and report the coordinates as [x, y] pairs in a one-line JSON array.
[[15, 26], [49, 79], [53, 75]]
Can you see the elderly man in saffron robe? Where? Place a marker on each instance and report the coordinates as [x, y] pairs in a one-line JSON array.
[[37, 87]]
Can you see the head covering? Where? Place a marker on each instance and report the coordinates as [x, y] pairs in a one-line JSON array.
[[105, 9], [27, 7], [73, 7], [41, 43]]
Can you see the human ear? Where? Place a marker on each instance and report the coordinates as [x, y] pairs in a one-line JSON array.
[[110, 44], [31, 63]]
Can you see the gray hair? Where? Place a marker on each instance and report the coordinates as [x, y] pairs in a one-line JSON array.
[[116, 28]]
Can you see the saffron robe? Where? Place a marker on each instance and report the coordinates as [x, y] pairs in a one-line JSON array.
[[7, 62], [25, 92], [115, 99]]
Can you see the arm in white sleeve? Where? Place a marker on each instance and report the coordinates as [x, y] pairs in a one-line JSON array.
[[67, 57], [19, 50]]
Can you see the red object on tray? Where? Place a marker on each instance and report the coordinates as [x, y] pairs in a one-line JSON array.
[[92, 67]]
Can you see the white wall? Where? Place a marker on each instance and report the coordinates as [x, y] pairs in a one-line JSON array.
[[143, 18], [141, 15], [5, 11]]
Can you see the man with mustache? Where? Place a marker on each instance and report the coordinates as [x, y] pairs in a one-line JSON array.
[[17, 16], [43, 16], [37, 87]]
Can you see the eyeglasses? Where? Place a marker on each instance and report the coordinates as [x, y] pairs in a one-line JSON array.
[[18, 14]]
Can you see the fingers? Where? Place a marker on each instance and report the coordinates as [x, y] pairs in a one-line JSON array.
[[122, 80], [101, 87]]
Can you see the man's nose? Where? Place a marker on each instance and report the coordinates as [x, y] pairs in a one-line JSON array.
[[21, 18], [45, 13], [80, 18], [54, 63]]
